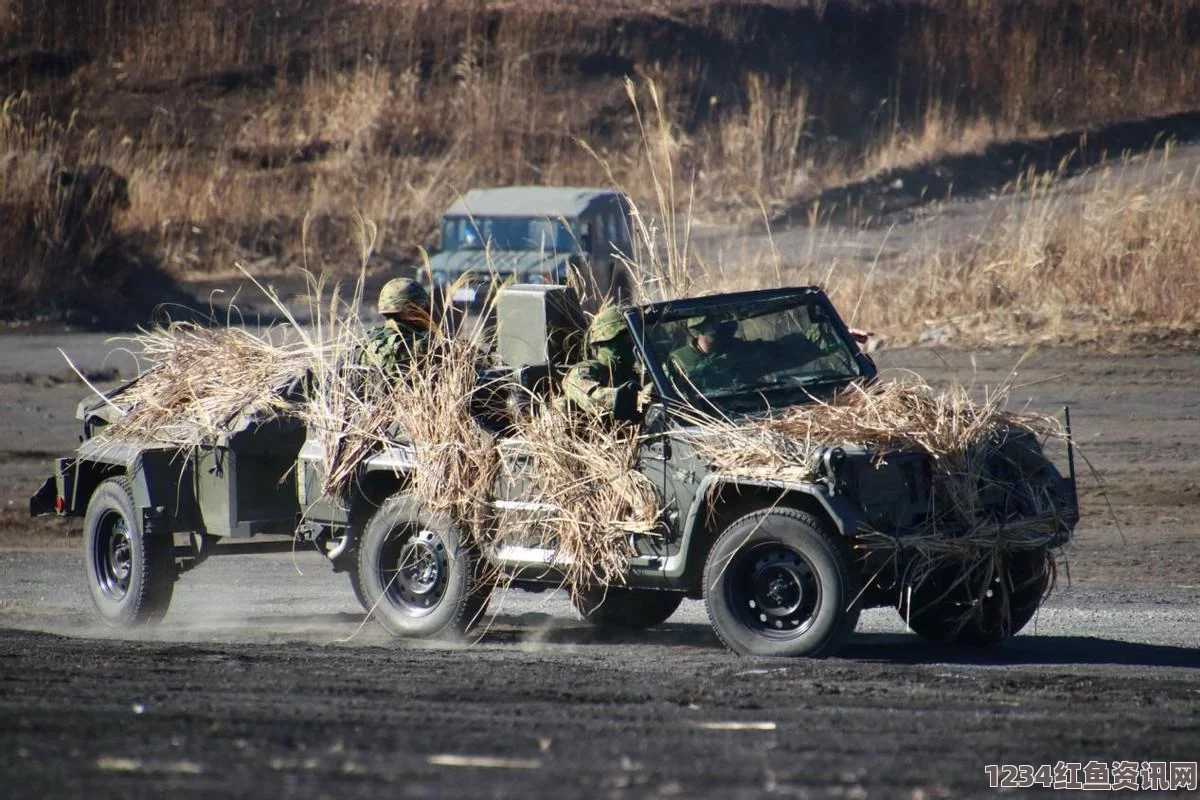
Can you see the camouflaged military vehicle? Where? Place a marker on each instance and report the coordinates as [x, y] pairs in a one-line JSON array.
[[770, 556], [533, 235]]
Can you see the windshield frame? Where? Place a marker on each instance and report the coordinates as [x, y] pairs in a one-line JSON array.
[[642, 319]]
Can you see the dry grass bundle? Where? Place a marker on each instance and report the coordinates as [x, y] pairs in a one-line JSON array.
[[431, 405], [203, 381], [357, 407], [591, 495], [907, 415], [428, 406]]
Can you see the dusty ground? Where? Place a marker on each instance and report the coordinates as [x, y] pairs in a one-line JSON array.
[[261, 683]]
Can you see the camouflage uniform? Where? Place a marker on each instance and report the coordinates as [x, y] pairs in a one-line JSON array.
[[605, 386], [404, 334]]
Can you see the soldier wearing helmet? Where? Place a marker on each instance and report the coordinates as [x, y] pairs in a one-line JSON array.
[[715, 357], [606, 385], [712, 357], [405, 332]]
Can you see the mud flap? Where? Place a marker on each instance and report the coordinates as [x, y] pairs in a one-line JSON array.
[[43, 501]]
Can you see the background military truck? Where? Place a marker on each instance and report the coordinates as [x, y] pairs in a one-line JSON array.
[[534, 235], [771, 556]]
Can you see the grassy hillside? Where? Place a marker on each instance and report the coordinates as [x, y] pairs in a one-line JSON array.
[[228, 128]]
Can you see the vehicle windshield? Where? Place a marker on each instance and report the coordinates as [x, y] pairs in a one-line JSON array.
[[509, 233], [751, 347]]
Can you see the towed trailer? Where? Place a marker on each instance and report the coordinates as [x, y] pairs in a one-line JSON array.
[[152, 511]]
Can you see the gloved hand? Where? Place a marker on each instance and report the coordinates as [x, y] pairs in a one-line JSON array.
[[645, 396]]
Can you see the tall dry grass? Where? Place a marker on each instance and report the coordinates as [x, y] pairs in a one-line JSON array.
[[235, 122], [1120, 256]]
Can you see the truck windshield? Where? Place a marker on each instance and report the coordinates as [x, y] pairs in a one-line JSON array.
[[751, 347], [509, 233]]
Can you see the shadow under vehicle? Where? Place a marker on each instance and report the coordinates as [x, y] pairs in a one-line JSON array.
[[772, 557], [535, 235]]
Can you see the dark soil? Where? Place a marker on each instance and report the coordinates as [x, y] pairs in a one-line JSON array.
[[639, 718]]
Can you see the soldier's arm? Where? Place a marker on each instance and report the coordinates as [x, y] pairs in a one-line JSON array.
[[585, 387]]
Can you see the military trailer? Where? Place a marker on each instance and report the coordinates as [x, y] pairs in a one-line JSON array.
[[771, 557], [152, 511], [534, 235]]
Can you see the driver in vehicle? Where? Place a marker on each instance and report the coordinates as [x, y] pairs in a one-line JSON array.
[[715, 357]]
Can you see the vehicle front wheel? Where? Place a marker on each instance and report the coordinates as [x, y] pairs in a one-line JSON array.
[[626, 609], [417, 574], [777, 583], [130, 574], [983, 604]]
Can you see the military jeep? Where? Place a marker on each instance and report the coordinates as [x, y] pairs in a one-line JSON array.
[[772, 557], [533, 234]]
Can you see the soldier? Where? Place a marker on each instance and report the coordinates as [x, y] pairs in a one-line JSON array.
[[715, 358], [406, 329], [606, 385], [708, 359]]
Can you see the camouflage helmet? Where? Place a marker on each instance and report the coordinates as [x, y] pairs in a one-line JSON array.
[[399, 291], [606, 326]]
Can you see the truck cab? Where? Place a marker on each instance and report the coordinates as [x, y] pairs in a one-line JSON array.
[[534, 235]]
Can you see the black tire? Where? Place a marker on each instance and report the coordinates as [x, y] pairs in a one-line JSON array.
[[356, 584], [131, 575], [625, 609], [778, 583], [417, 575], [990, 605], [351, 558]]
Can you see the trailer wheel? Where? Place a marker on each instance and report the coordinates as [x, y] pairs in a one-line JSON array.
[[626, 609], [417, 574], [130, 574], [777, 583]]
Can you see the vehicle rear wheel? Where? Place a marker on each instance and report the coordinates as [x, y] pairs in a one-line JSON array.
[[627, 609], [777, 583], [356, 585], [417, 574], [130, 574], [987, 604]]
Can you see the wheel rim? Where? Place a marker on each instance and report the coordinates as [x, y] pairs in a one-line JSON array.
[[112, 555], [414, 570], [774, 590]]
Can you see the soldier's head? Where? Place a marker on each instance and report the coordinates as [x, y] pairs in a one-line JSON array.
[[609, 339], [405, 301], [711, 332]]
